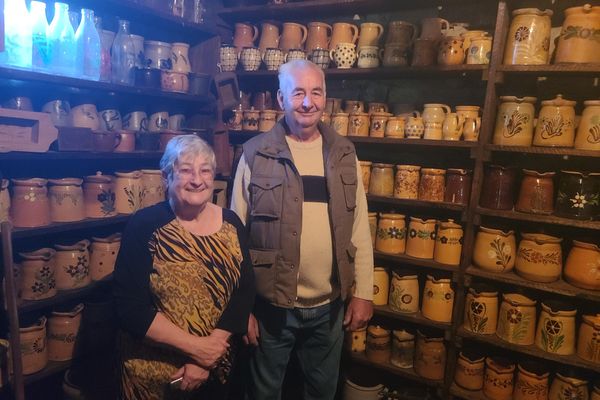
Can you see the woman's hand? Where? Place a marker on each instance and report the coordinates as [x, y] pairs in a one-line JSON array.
[[193, 376], [207, 350]]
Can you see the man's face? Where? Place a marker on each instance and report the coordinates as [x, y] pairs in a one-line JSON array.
[[302, 97]]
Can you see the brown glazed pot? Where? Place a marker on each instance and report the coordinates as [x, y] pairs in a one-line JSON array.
[[430, 356], [498, 191], [578, 195], [432, 184], [537, 192], [458, 185]]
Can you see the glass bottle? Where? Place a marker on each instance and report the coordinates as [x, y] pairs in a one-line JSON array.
[[61, 40], [123, 56], [88, 46], [40, 57], [74, 18], [17, 35]]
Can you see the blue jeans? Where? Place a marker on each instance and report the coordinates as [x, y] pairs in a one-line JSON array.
[[314, 333]]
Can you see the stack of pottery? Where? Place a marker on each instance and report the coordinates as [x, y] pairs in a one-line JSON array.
[[175, 78], [400, 38]]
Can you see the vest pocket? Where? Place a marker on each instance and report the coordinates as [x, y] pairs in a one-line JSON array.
[[263, 262], [349, 183], [266, 197]]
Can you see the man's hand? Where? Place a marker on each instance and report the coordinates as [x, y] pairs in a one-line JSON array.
[[358, 314], [207, 350], [193, 376], [253, 332]]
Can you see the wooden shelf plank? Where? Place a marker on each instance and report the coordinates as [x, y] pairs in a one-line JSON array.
[[53, 367], [531, 350], [79, 155], [461, 393], [408, 373], [547, 219], [20, 233], [421, 262], [416, 318], [451, 144], [559, 287], [551, 69], [543, 150], [417, 203]]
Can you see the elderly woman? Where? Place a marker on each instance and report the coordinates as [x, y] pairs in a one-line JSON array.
[[183, 285]]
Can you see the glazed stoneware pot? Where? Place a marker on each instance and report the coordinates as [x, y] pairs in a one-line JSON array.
[[395, 127], [382, 180], [343, 33], [498, 379], [576, 44], [438, 299], [373, 227], [582, 268], [568, 387], [358, 124], [406, 185], [430, 356], [339, 123], [556, 328], [34, 352], [432, 184], [293, 36], [514, 121], [37, 280], [448, 243], [269, 37], [537, 192], [391, 234], [498, 191], [356, 341], [588, 131], [556, 123], [379, 344], [404, 293], [30, 207], [539, 257], [494, 250], [128, 192], [72, 265], [153, 187], [528, 40], [103, 254], [458, 186], [451, 51], [378, 123], [99, 195], [481, 310], [180, 59], [433, 119], [578, 195], [66, 200], [420, 242], [403, 349], [381, 286], [244, 35], [469, 370], [531, 382], [344, 55], [588, 341], [516, 319], [352, 391], [63, 328], [318, 37], [365, 169], [354, 107]]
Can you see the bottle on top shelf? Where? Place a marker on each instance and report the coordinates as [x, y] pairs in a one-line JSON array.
[[17, 34], [40, 56], [61, 39], [89, 48], [123, 56]]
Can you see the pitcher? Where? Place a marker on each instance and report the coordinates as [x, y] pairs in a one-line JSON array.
[[481, 310], [494, 250], [153, 187], [30, 205], [431, 28], [103, 254], [555, 331], [539, 257], [343, 33], [453, 126], [438, 299], [433, 118], [576, 44], [72, 265], [588, 131], [370, 33], [244, 36], [582, 268], [34, 352], [63, 329], [66, 200], [404, 293], [38, 274], [318, 37], [514, 121], [516, 319], [269, 37], [99, 195], [128, 191], [402, 33], [421, 238], [528, 39], [293, 36], [556, 123]]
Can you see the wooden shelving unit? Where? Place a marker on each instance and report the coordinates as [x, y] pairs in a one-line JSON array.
[[418, 262], [79, 155], [416, 318], [550, 151], [55, 228], [392, 201], [387, 141], [546, 219], [551, 69]]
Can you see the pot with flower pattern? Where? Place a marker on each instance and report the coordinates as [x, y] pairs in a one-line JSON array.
[[99, 195], [63, 327], [588, 341], [556, 328], [72, 265], [34, 352], [404, 293], [469, 370], [565, 386], [531, 382], [153, 187], [556, 123], [516, 319], [438, 299], [539, 257], [514, 121], [588, 131], [528, 40], [66, 200], [30, 207], [481, 310], [494, 250], [578, 41], [420, 242], [128, 192], [582, 268], [391, 234], [448, 243], [37, 280], [578, 195]]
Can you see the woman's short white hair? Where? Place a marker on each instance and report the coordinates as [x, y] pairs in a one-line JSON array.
[[286, 70], [185, 146]]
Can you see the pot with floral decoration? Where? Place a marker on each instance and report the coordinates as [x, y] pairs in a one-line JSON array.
[[556, 328], [448, 243], [72, 265], [34, 352], [588, 341], [391, 234], [30, 207], [66, 200], [539, 257], [128, 192], [99, 195], [498, 380], [481, 309], [514, 121], [438, 299], [469, 370], [404, 292], [566, 385], [37, 274], [531, 382], [516, 319], [578, 195], [63, 327], [420, 242], [528, 40], [494, 250]]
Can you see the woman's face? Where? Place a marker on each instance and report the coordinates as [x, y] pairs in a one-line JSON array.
[[192, 182]]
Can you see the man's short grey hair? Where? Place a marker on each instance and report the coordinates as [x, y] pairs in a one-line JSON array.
[[182, 147], [286, 70]]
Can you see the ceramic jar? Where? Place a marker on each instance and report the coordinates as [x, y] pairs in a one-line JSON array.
[[344, 55], [438, 299], [514, 121], [498, 191], [356, 341], [432, 184], [469, 370], [539, 257], [528, 40], [99, 195], [373, 226], [343, 33], [401, 33], [30, 207], [365, 169], [293, 36], [430, 357], [448, 243], [406, 185], [395, 55], [494, 250], [556, 328], [358, 124], [318, 37], [479, 50], [369, 56], [72, 265], [452, 127], [433, 28], [516, 319], [128, 192], [379, 344], [269, 37], [37, 269], [588, 341], [582, 268], [414, 127], [391, 234], [578, 41], [382, 180], [556, 123], [158, 54], [153, 187], [250, 120], [578, 195], [354, 106], [34, 353], [352, 391], [481, 310], [370, 33], [568, 387], [66, 200], [339, 123], [404, 293], [498, 378], [421, 238], [63, 328], [403, 349], [531, 382], [250, 58], [395, 127], [537, 192], [273, 58], [103, 255], [381, 286], [451, 51], [588, 131], [378, 123], [228, 58], [458, 186], [267, 120], [244, 36], [180, 59], [433, 119]]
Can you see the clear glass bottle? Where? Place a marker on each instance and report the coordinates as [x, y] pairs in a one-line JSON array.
[[61, 40], [75, 19], [17, 35], [40, 56], [123, 56], [89, 48]]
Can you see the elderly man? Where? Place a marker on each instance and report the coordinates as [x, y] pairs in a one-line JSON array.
[[298, 190]]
